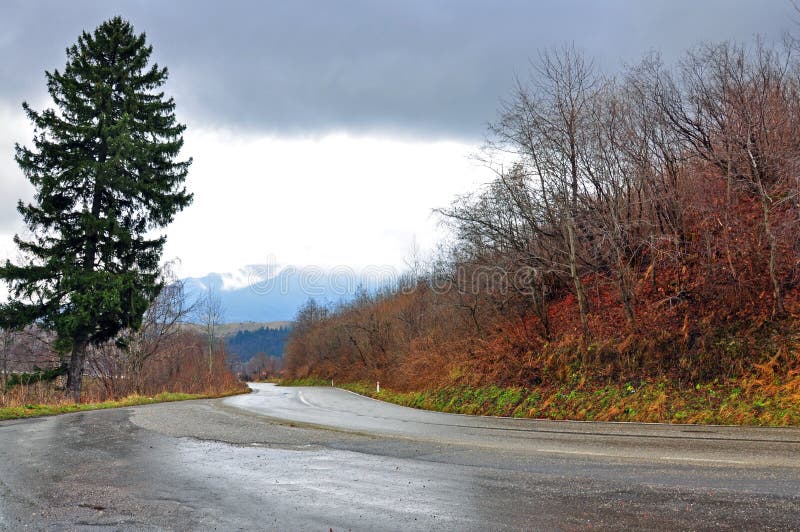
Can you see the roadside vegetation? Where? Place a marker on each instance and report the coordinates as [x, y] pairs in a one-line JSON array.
[[177, 370], [635, 256], [60, 406], [762, 399], [162, 360], [723, 403], [306, 381]]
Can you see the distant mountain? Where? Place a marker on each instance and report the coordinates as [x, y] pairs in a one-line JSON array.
[[261, 293]]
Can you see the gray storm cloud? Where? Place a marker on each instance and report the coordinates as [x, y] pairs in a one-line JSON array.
[[413, 67], [422, 69]]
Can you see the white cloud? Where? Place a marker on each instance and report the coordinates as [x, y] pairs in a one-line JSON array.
[[14, 128], [333, 200], [338, 199]]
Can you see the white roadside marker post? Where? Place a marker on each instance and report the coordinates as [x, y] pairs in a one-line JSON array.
[[378, 387]]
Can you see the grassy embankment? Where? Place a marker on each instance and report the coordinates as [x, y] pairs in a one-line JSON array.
[[36, 410], [742, 402]]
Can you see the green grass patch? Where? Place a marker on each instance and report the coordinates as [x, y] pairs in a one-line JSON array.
[[646, 401], [307, 381]]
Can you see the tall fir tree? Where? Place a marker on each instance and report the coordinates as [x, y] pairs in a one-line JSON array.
[[105, 168]]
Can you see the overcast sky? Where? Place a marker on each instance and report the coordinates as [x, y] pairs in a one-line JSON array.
[[325, 132]]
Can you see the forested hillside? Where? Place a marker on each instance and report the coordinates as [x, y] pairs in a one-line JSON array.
[[638, 227], [247, 344]]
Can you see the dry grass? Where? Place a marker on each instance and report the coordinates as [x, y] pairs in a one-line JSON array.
[[47, 398], [65, 407]]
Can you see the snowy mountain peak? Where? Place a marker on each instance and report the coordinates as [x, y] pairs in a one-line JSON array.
[[263, 292]]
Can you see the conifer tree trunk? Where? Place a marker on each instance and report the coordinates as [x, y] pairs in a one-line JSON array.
[[75, 372]]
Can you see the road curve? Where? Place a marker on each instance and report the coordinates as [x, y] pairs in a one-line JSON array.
[[344, 410], [321, 459]]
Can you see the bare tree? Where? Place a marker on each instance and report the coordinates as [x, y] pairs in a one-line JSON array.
[[161, 323], [738, 110], [126, 357], [614, 191], [211, 313], [504, 226], [109, 364], [547, 124], [655, 155]]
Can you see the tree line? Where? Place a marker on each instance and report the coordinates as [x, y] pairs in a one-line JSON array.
[[643, 222], [163, 354], [247, 344]]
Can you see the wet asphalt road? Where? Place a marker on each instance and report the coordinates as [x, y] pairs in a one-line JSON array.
[[317, 458]]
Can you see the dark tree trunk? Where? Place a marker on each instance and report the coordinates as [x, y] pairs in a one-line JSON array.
[[75, 373], [580, 293], [540, 307], [626, 296]]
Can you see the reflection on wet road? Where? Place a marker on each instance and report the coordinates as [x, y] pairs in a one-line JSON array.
[[263, 462]]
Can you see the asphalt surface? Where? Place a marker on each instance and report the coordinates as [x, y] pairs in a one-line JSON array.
[[321, 458]]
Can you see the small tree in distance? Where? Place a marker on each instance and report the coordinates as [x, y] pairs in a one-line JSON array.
[[211, 314], [105, 170]]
